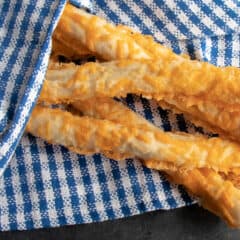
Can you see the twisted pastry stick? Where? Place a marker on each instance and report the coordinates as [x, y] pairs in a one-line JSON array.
[[106, 108], [89, 135], [96, 34], [208, 115], [156, 80], [216, 194], [79, 28]]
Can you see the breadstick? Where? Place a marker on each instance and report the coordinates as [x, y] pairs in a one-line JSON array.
[[90, 135], [220, 197], [96, 34], [105, 39], [187, 147], [150, 79], [220, 120], [208, 115], [107, 108]]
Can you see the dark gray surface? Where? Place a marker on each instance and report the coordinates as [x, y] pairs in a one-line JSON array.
[[182, 224]]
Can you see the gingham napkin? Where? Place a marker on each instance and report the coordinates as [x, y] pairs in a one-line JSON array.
[[45, 185]]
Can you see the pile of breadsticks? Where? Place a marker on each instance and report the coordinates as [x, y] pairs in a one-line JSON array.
[[129, 62]]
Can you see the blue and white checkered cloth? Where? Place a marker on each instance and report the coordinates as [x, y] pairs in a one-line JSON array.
[[44, 185]]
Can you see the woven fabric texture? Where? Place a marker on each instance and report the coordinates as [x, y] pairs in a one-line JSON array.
[[45, 185]]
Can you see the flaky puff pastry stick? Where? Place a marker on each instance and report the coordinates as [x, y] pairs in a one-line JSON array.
[[216, 194], [111, 42], [207, 114], [151, 79], [78, 28], [99, 36], [202, 119], [89, 135], [114, 42], [107, 108], [187, 147]]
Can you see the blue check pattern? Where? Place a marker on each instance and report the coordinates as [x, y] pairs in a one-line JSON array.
[[45, 185]]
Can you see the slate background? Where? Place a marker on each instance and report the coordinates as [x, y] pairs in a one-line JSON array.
[[186, 223]]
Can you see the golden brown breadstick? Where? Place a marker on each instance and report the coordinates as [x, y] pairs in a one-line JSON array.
[[105, 39], [81, 134], [155, 50], [96, 34], [217, 195], [208, 115], [151, 79], [107, 108], [187, 147], [233, 175], [88, 135]]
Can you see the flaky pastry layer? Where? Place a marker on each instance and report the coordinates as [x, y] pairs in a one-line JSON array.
[[155, 80], [191, 150], [106, 40], [89, 135], [69, 51], [96, 34]]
